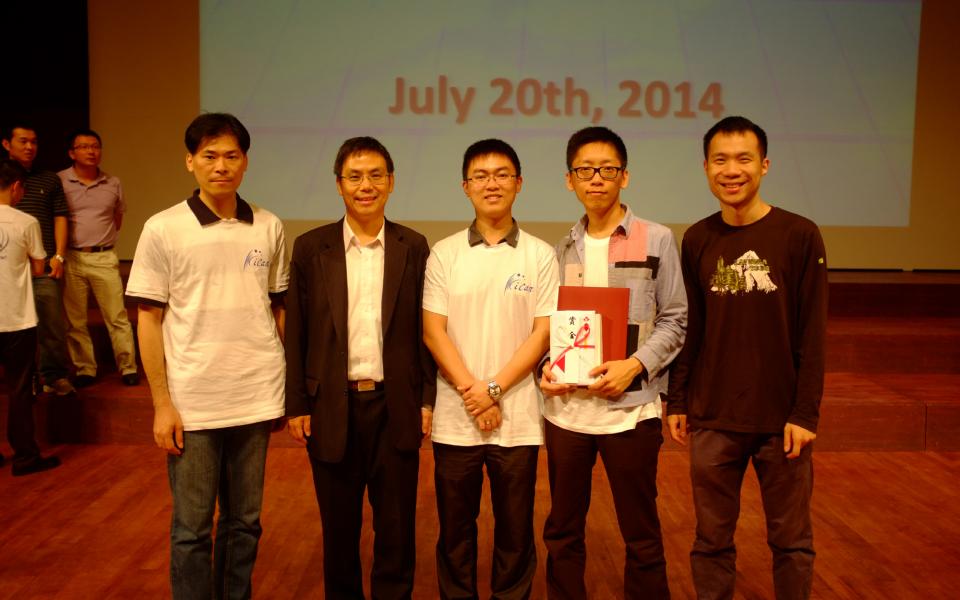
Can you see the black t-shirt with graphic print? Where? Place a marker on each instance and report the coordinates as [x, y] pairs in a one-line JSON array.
[[753, 359]]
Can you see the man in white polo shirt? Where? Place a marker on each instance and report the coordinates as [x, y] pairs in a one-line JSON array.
[[209, 275], [618, 416], [96, 206], [487, 300]]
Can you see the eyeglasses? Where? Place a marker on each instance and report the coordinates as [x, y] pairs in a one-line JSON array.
[[376, 178], [484, 179], [587, 173], [86, 147]]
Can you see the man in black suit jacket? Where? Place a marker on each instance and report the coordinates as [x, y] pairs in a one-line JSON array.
[[360, 383]]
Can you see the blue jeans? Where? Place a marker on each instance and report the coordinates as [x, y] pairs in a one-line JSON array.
[[224, 466], [51, 329]]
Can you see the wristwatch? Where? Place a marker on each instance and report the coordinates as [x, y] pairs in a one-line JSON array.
[[494, 391], [60, 258]]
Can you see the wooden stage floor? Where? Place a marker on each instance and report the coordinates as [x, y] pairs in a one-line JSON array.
[[887, 525]]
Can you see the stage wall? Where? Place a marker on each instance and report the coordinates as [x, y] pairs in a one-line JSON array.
[[144, 89]]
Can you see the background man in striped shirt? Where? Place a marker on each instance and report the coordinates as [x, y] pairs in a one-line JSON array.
[[43, 199]]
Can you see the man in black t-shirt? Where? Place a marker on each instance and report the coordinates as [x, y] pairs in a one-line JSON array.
[[749, 379]]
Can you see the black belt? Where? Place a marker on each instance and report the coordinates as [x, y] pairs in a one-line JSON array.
[[365, 385], [93, 249]]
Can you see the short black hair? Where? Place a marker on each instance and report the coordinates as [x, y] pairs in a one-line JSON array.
[[18, 123], [211, 125], [729, 125], [85, 132], [590, 135], [487, 147], [360, 145], [10, 172]]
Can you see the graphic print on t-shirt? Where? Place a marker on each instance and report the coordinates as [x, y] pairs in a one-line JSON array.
[[747, 274]]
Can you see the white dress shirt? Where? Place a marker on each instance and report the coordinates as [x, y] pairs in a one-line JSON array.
[[364, 314]]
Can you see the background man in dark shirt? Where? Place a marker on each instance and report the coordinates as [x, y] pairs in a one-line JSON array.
[[749, 379], [43, 199]]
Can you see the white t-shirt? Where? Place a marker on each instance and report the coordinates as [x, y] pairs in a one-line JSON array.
[[19, 242], [490, 296], [224, 361], [583, 411]]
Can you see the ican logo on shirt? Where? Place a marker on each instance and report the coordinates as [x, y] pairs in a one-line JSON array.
[[255, 260], [517, 284]]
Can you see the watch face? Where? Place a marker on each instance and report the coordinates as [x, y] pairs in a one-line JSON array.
[[493, 389]]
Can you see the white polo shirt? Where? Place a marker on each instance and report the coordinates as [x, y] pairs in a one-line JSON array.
[[19, 242], [224, 360], [490, 296]]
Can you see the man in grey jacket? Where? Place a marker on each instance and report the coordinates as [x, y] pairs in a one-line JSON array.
[[619, 415]]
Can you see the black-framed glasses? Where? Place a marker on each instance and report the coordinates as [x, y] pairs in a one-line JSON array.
[[587, 173], [484, 178], [376, 178]]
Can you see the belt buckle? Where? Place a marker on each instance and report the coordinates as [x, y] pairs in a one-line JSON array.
[[366, 385]]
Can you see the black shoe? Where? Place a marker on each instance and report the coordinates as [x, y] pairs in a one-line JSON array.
[[1, 460], [41, 463], [82, 381], [131, 379]]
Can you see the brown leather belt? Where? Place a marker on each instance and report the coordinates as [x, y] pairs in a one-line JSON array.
[[93, 249], [365, 385]]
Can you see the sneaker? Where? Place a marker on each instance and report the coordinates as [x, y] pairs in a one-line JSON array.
[[82, 381], [41, 463], [131, 379], [60, 387]]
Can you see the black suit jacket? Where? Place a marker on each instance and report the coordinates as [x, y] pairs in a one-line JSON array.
[[316, 338]]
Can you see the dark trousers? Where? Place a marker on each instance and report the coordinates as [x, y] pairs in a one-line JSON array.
[[630, 459], [390, 477], [18, 350], [458, 475], [718, 460]]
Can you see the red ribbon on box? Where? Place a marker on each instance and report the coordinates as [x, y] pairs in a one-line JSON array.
[[578, 342]]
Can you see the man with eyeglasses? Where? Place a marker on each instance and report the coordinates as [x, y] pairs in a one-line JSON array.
[[44, 200], [619, 415], [487, 300], [360, 382], [96, 206]]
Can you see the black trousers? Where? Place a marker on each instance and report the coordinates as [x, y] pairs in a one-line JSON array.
[[458, 475], [18, 351], [630, 458], [718, 461], [390, 477]]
